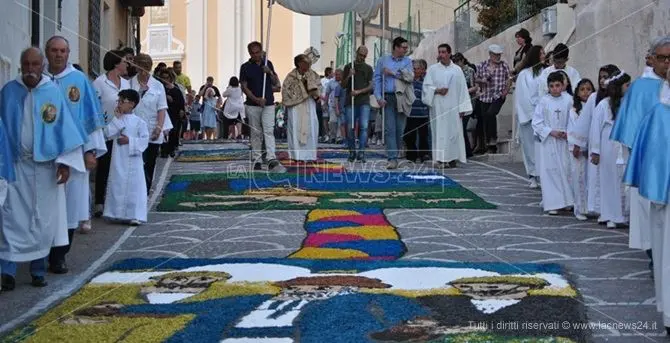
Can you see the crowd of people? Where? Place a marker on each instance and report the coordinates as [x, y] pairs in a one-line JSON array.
[[588, 149], [602, 153]]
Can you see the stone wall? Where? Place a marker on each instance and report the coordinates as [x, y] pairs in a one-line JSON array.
[[617, 32]]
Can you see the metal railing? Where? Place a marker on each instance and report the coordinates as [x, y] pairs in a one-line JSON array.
[[468, 30]]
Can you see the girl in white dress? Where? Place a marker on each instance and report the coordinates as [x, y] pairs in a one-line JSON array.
[[580, 157], [126, 196], [611, 155], [209, 114]]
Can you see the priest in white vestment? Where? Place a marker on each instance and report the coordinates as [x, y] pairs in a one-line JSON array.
[[300, 92], [550, 124], [45, 142], [84, 106], [445, 91]]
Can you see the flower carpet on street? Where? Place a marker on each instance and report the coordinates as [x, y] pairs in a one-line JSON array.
[[363, 234], [314, 301], [217, 155], [318, 190], [347, 281]]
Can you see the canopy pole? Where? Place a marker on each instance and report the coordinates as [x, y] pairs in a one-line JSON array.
[[267, 44], [353, 69], [383, 13]]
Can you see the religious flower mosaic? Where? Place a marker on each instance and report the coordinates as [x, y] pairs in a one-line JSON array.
[[330, 189], [290, 300]]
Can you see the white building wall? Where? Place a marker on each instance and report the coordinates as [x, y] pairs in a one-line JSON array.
[[14, 37], [70, 27], [301, 34], [315, 29], [195, 49]]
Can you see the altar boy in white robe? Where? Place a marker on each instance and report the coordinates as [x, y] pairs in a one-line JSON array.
[[445, 91], [126, 199], [85, 108], [45, 142], [550, 124], [647, 171], [300, 92]]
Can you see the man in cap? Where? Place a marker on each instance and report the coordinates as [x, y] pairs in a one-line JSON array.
[[492, 76]]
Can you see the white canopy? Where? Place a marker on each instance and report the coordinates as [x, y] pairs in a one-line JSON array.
[[366, 9]]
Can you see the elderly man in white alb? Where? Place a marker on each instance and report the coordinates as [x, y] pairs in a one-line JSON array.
[[45, 142], [300, 92], [84, 106]]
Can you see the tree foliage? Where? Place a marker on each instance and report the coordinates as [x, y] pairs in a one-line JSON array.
[[494, 15]]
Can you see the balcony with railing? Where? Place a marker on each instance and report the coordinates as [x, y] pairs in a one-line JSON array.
[[478, 20]]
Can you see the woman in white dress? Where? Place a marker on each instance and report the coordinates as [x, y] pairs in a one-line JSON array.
[[300, 92], [233, 109], [526, 97], [611, 156]]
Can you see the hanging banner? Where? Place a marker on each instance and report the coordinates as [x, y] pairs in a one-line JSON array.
[[366, 9]]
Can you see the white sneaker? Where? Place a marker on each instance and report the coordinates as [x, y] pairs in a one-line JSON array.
[[533, 183], [611, 225], [553, 213], [135, 223], [581, 217]]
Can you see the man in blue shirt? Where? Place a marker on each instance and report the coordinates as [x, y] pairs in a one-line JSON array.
[[260, 105], [418, 122], [389, 70]]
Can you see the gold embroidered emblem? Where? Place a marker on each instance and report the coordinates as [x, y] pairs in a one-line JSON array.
[[49, 112], [73, 94]]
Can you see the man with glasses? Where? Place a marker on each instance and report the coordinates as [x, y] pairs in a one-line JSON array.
[[642, 95], [360, 109], [392, 69]]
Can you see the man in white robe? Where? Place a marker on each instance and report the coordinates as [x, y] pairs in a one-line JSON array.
[[85, 109], [45, 142], [445, 91], [300, 92]]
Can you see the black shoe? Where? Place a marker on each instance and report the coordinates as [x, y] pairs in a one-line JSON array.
[[361, 157], [352, 156], [275, 166], [667, 330], [58, 267], [258, 166], [39, 281], [8, 282]]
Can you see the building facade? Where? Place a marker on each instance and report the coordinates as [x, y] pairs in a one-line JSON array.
[[92, 28], [210, 37]]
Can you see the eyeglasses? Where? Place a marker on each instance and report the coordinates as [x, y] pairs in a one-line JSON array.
[[664, 58]]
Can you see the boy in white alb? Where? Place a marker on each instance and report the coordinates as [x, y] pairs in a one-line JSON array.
[[579, 160], [126, 199], [550, 124]]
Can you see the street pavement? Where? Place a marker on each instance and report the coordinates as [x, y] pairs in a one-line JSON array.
[[614, 280]]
